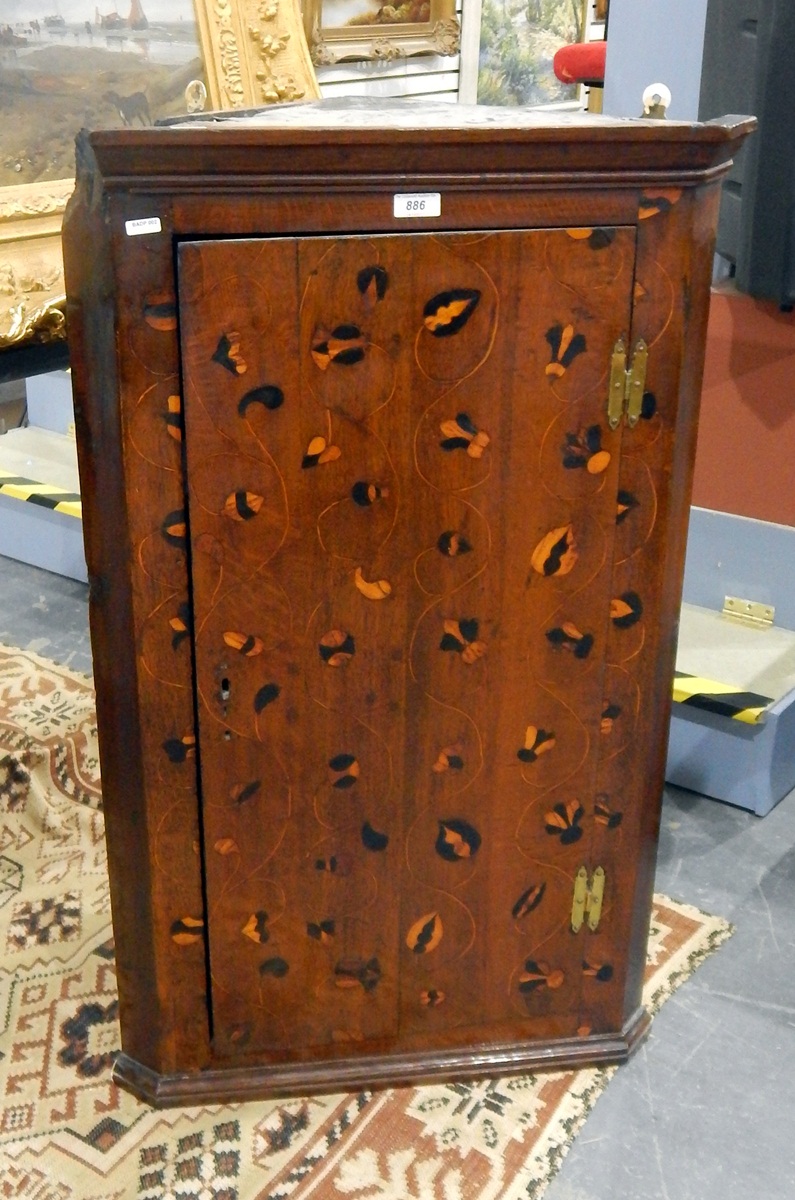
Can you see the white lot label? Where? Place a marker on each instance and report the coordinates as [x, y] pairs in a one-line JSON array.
[[417, 204], [143, 225]]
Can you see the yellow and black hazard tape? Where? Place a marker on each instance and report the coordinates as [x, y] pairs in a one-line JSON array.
[[721, 698], [44, 494]]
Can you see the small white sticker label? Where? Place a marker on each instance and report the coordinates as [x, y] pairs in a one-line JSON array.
[[143, 225], [417, 204]]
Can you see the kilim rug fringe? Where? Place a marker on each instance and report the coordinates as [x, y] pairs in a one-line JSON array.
[[68, 1133]]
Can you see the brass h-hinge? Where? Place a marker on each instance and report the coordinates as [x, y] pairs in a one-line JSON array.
[[626, 386], [587, 900]]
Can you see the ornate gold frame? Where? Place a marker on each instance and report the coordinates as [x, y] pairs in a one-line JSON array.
[[440, 34], [254, 53]]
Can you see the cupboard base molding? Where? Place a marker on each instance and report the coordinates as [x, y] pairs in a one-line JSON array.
[[239, 1084]]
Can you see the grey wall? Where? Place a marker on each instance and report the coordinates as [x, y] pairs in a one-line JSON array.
[[651, 41], [729, 555]]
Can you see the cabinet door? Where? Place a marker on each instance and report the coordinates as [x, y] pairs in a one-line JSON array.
[[402, 497]]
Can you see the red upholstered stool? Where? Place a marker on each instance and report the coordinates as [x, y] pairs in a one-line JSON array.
[[584, 62]]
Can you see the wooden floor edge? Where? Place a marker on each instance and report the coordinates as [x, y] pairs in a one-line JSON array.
[[225, 1086]]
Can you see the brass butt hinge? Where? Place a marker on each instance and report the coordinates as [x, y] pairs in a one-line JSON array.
[[626, 387], [587, 901], [754, 613]]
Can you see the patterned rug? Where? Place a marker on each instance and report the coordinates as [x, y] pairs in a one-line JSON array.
[[68, 1133]]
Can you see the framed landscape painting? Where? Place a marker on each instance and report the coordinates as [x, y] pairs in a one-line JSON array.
[[65, 64], [518, 41], [70, 64]]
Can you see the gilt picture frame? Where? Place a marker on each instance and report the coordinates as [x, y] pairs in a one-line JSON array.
[[348, 30], [60, 72]]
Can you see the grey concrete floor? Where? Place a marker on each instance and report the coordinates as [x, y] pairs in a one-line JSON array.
[[706, 1108]]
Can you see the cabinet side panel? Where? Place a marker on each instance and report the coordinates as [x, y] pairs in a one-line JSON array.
[[151, 415], [130, 453], [90, 307], [675, 239]]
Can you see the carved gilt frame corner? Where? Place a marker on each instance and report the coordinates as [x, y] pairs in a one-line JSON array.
[[382, 40], [254, 52], [31, 266]]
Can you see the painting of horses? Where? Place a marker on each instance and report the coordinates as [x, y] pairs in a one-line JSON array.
[[69, 64]]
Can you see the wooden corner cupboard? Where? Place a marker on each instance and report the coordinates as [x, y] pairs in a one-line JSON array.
[[386, 423]]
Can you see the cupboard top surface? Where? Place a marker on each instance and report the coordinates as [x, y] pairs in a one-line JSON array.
[[391, 115], [344, 138]]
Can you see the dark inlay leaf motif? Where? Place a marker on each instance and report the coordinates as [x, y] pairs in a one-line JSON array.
[[160, 312], [528, 901], [461, 637], [610, 713], [556, 553], [452, 543], [173, 417], [626, 610], [539, 975], [275, 967], [565, 345], [255, 927], [227, 354], [648, 406], [568, 637], [268, 395], [601, 972], [447, 312], [174, 529], [244, 643], [337, 647], [330, 864], [321, 931], [600, 239], [241, 793], [187, 930], [657, 200], [584, 449], [449, 760], [462, 434], [425, 934], [344, 346], [343, 771], [597, 239], [457, 840], [372, 839], [181, 625], [364, 494], [372, 282], [564, 822], [605, 815], [536, 742], [242, 505], [266, 695], [179, 749], [358, 972], [625, 502]]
